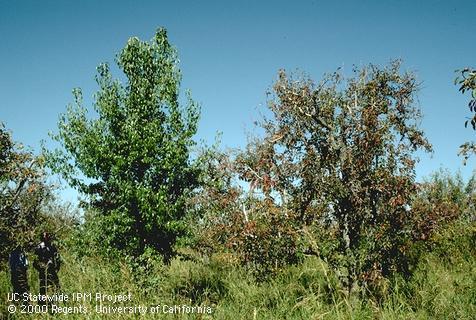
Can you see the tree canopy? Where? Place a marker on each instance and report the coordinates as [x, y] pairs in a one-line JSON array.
[[339, 156], [132, 162], [23, 191]]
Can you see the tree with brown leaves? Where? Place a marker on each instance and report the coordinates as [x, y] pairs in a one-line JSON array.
[[339, 157]]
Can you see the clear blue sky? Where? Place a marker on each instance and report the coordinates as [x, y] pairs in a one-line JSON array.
[[230, 53]]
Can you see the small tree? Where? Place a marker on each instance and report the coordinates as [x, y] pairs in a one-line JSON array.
[[238, 222], [467, 82], [23, 191], [339, 156], [133, 160]]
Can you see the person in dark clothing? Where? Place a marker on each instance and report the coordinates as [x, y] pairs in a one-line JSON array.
[[18, 270], [47, 264]]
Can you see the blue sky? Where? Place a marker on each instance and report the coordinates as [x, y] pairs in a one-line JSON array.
[[230, 53]]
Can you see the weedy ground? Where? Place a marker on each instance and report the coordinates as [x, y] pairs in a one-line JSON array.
[[443, 286]]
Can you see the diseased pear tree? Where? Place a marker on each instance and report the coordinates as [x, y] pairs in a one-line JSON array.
[[236, 223], [23, 192], [338, 157], [467, 82], [132, 162]]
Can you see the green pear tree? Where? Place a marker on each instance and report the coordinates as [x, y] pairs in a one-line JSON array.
[[132, 161]]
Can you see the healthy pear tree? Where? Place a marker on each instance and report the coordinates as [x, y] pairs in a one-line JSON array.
[[132, 161]]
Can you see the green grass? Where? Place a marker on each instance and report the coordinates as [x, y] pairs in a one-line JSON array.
[[442, 287]]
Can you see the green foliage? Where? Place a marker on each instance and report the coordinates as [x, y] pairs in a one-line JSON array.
[[198, 282], [467, 82], [439, 282], [132, 162], [439, 289], [23, 192]]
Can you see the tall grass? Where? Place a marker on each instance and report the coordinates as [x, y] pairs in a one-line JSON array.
[[443, 286]]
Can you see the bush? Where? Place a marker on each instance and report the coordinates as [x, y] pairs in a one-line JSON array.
[[443, 201]]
